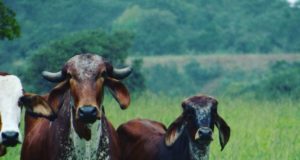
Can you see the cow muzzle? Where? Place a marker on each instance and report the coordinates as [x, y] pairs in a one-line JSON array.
[[204, 135], [87, 114], [10, 138]]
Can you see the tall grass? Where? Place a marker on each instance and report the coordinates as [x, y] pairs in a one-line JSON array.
[[262, 130]]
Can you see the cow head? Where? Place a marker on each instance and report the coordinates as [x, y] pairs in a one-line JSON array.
[[198, 119], [85, 76], [12, 98]]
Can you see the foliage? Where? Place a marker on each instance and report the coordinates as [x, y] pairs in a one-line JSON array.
[[170, 80], [282, 81], [154, 30], [161, 26], [9, 27], [166, 80], [136, 82], [199, 75], [112, 46]]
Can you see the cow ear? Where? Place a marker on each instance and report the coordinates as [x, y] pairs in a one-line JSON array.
[[119, 92], [37, 106], [56, 96], [174, 131], [224, 131]]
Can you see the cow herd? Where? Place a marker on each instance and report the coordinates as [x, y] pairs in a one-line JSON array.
[[61, 124]]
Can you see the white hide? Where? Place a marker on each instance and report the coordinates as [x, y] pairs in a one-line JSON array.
[[10, 92]]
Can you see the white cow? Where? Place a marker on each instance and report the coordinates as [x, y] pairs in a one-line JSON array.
[[12, 98]]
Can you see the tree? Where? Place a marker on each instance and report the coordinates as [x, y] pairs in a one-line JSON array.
[[155, 30], [112, 46], [9, 27]]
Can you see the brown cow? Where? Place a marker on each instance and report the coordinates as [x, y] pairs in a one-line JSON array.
[[187, 138], [77, 100], [12, 98]]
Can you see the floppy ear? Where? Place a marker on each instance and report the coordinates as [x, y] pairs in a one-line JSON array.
[[37, 106], [119, 92], [174, 131], [224, 131], [56, 96]]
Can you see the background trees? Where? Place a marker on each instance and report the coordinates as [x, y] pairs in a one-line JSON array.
[[9, 28], [112, 46], [53, 31], [164, 26]]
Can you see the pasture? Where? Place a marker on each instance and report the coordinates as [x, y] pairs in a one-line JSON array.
[[261, 130]]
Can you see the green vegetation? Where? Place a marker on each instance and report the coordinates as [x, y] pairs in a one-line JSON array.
[[260, 129], [51, 57], [251, 76], [160, 26], [9, 28]]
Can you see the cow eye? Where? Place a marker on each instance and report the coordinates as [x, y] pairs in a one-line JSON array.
[[104, 74], [20, 103], [190, 112]]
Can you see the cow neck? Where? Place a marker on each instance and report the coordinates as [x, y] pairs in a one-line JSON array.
[[197, 151], [186, 147], [97, 147], [63, 128]]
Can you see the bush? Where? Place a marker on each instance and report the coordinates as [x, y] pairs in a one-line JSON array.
[[282, 81]]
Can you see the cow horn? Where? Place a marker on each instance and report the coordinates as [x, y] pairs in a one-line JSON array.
[[121, 73], [53, 77]]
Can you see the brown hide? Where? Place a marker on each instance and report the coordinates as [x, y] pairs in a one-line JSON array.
[[143, 139], [4, 74], [140, 139], [41, 140], [81, 84]]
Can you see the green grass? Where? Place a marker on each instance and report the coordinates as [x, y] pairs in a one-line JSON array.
[[262, 130]]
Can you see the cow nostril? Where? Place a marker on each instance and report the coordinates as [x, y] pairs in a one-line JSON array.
[[87, 114], [88, 110], [10, 135], [205, 131]]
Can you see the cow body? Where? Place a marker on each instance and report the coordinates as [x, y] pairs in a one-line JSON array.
[[187, 138], [80, 130], [148, 142], [57, 140]]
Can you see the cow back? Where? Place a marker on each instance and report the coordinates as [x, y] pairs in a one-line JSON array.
[[141, 139]]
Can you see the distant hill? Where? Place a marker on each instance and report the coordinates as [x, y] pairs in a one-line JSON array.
[[243, 62]]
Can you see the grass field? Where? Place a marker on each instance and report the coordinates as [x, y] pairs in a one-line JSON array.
[[261, 130]]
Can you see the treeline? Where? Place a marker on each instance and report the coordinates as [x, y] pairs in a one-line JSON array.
[[280, 80], [53, 31], [162, 26]]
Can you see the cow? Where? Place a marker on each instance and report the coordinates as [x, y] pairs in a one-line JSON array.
[[77, 101], [12, 99], [187, 138]]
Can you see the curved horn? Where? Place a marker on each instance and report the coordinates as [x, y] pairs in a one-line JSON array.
[[53, 77], [121, 73]]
